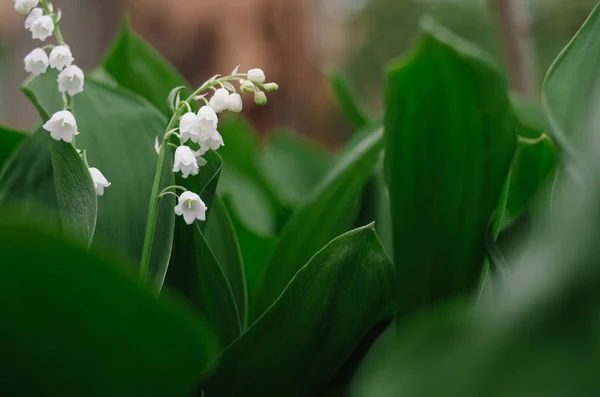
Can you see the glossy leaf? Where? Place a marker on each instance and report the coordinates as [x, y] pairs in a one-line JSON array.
[[193, 268], [293, 165], [306, 335], [122, 147], [138, 67], [329, 211], [10, 140], [256, 249], [450, 137], [222, 240], [74, 324], [75, 192], [569, 102], [347, 100]]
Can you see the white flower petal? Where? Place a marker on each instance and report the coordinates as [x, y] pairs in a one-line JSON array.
[[42, 28], [71, 80], [61, 57], [256, 76]]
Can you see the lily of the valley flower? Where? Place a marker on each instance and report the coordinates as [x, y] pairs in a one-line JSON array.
[[256, 76], [62, 126], [36, 62], [33, 15], [24, 6], [219, 100], [260, 98], [234, 103], [213, 141], [208, 121], [42, 28], [191, 206], [61, 57], [185, 161], [189, 127], [71, 80], [100, 182]]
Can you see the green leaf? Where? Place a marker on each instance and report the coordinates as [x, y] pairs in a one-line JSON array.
[[118, 130], [293, 165], [193, 268], [347, 100], [222, 240], [74, 324], [10, 140], [530, 117], [306, 335], [569, 94], [450, 137], [255, 247], [75, 192], [137, 66], [328, 212], [531, 169]]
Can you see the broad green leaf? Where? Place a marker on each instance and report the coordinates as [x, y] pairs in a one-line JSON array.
[[347, 100], [10, 140], [450, 137], [244, 179], [569, 94], [222, 240], [530, 117], [137, 66], [327, 212], [531, 169], [74, 324], [194, 270], [118, 130], [298, 344], [293, 165], [75, 191], [256, 249]]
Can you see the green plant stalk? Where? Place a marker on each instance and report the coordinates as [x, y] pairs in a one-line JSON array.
[[155, 195]]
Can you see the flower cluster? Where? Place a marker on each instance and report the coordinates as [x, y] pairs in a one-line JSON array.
[[197, 131], [42, 22]]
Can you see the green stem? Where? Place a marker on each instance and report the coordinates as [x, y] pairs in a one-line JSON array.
[[155, 195]]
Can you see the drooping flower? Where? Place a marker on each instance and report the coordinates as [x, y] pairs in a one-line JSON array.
[[189, 127], [71, 80], [191, 206], [213, 141], [185, 161], [24, 6], [36, 62], [61, 57], [208, 121], [100, 182], [219, 100], [234, 103], [62, 126], [42, 28], [256, 76], [33, 15]]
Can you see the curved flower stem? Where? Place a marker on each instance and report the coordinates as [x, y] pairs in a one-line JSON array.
[[155, 195]]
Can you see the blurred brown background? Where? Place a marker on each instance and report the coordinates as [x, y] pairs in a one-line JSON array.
[[294, 41]]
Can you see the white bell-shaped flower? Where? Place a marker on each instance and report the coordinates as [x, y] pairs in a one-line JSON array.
[[219, 100], [33, 15], [208, 121], [71, 80], [234, 103], [24, 6], [100, 182], [36, 62], [256, 76], [185, 161], [62, 126], [213, 141], [42, 28], [189, 127], [61, 57], [191, 206]]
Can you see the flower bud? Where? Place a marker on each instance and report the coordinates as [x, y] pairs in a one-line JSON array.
[[260, 98], [246, 86], [271, 87], [219, 100], [256, 76], [24, 6], [234, 103]]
